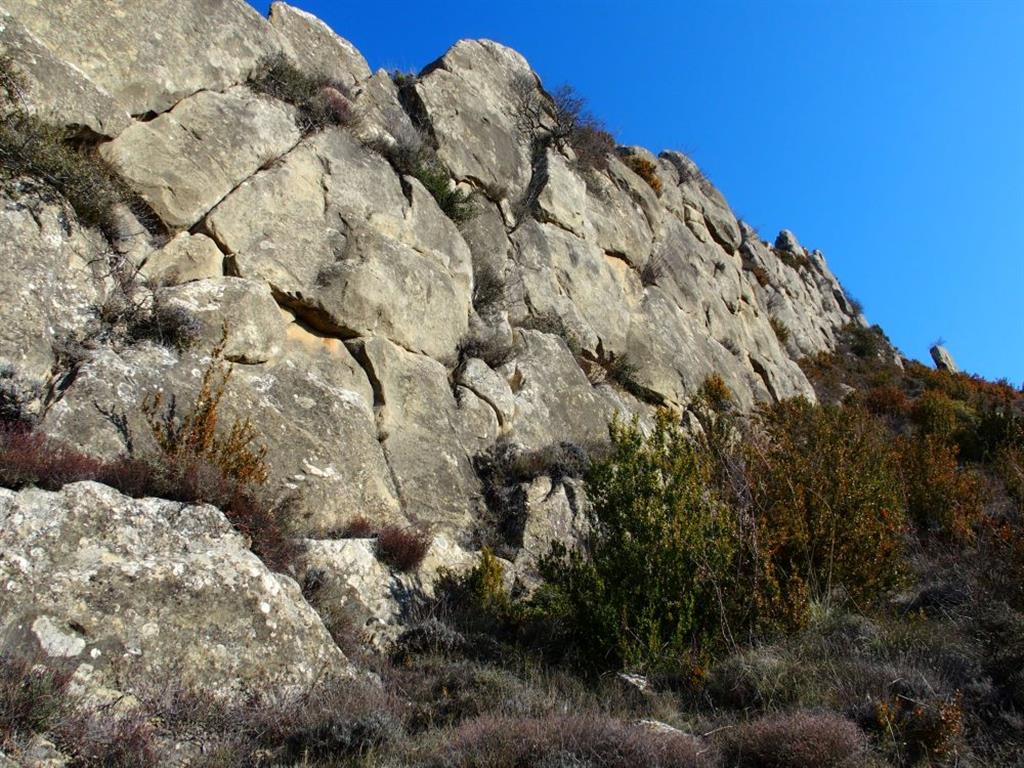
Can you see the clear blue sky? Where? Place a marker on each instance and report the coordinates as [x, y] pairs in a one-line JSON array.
[[888, 134]]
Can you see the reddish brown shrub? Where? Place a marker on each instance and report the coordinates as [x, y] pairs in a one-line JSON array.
[[102, 739], [914, 731], [402, 548], [797, 740], [942, 497], [646, 170], [887, 400], [358, 527], [596, 741], [32, 697], [828, 499], [761, 275]]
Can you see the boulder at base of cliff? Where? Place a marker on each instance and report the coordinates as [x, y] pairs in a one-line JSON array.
[[131, 592]]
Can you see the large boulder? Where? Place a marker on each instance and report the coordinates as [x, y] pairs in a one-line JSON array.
[[332, 232], [144, 591], [311, 405], [316, 48], [52, 284], [55, 90], [468, 96], [186, 160], [943, 359], [149, 54]]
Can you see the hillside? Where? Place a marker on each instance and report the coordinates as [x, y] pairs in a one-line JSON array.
[[305, 369]]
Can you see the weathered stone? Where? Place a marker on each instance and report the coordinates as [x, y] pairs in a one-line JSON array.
[[468, 98], [317, 49], [51, 288], [186, 160], [417, 417], [943, 359], [239, 314], [555, 401], [185, 258], [149, 54], [332, 232], [477, 376], [555, 513], [312, 406], [56, 91], [563, 200], [786, 241], [181, 595]]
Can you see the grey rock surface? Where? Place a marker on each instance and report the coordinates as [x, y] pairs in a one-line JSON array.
[[145, 589], [315, 46], [943, 359]]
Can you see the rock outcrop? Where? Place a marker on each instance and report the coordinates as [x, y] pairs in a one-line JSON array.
[[379, 348], [128, 591]]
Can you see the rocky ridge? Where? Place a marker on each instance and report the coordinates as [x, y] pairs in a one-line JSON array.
[[357, 315]]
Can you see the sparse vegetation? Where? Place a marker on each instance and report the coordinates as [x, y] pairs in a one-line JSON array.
[[781, 330], [402, 548], [411, 153], [645, 169], [319, 101]]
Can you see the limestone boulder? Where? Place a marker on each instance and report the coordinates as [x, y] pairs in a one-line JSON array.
[[150, 54], [554, 400], [145, 589], [241, 315], [311, 405], [943, 359], [52, 284], [316, 47], [185, 161], [332, 232], [56, 91], [418, 417], [185, 258], [474, 374], [468, 98], [555, 513]]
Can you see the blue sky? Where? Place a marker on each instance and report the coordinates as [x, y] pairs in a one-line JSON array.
[[888, 134]]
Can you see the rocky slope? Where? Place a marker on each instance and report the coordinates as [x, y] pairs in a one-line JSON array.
[[357, 315]]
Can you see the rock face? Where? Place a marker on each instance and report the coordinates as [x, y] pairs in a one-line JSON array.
[[150, 590], [379, 348]]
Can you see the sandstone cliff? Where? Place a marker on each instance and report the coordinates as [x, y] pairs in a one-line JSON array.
[[379, 347]]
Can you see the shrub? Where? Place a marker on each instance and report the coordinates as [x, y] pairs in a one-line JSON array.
[[942, 497], [12, 84], [494, 349], [489, 291], [32, 148], [780, 328], [646, 170], [193, 436], [761, 275], [358, 527], [715, 393], [564, 740], [478, 599], [32, 698], [654, 270], [98, 739], [887, 400], [828, 500], [645, 592], [411, 154], [320, 102], [913, 731], [797, 740], [402, 548]]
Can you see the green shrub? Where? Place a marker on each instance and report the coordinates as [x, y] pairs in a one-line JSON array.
[[828, 499], [645, 592], [454, 203]]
